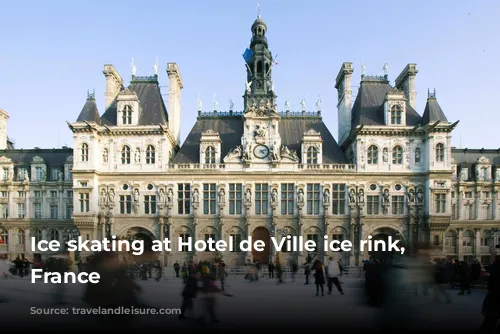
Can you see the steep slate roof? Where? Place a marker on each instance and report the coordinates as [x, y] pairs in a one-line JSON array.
[[433, 112], [470, 156], [89, 112], [368, 109], [51, 157], [153, 110], [230, 129]]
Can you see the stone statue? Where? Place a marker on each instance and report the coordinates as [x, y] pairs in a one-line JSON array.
[[249, 87], [137, 156], [231, 105], [274, 196], [248, 151], [236, 152], [161, 195], [222, 196], [363, 69], [361, 196], [417, 155], [326, 196], [216, 104], [196, 196], [387, 196], [287, 105], [60, 176], [318, 104], [352, 196], [111, 196], [104, 196], [300, 196], [26, 176], [386, 68], [260, 131], [411, 196], [497, 175], [170, 196], [155, 67], [303, 104], [385, 155], [271, 86], [134, 69], [200, 104], [274, 155], [248, 196], [136, 195], [420, 196]]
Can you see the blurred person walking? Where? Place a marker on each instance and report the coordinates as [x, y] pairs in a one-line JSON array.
[[333, 272], [439, 289], [188, 294], [319, 277], [491, 303], [464, 277]]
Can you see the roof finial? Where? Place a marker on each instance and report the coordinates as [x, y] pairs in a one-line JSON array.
[[363, 69], [258, 9], [386, 68], [155, 67], [134, 69]]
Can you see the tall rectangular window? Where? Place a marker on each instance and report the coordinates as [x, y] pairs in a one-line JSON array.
[[372, 204], [84, 202], [184, 198], [150, 204], [235, 198], [315, 238], [287, 198], [339, 199], [53, 194], [209, 198], [21, 210], [398, 205], [5, 210], [38, 210], [69, 210], [440, 203], [313, 198], [261, 199], [54, 212], [184, 238], [125, 204], [5, 174], [38, 173], [236, 240]]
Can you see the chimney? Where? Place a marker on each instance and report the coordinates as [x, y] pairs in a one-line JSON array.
[[174, 101], [344, 105], [406, 83], [114, 84]]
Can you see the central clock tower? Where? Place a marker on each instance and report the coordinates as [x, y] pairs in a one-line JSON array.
[[261, 140]]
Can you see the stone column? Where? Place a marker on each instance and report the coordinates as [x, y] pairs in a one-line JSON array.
[[352, 235], [102, 222], [326, 223], [444, 243], [477, 244], [248, 255], [459, 241], [300, 222]]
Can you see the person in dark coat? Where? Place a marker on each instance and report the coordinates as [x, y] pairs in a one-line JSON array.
[[319, 277], [464, 275], [188, 294], [491, 304], [475, 271], [270, 268]]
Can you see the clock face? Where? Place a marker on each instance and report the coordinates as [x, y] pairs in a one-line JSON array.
[[261, 151]]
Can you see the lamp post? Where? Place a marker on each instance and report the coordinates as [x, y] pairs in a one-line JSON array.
[[493, 235], [70, 234]]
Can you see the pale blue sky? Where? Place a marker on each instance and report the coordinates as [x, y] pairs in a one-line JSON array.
[[51, 52]]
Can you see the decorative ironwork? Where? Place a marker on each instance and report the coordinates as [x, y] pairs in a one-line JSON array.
[[152, 78], [431, 95], [375, 78]]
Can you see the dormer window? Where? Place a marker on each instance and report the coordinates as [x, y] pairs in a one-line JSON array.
[[397, 155], [84, 152], [127, 115], [440, 152], [372, 155], [150, 154], [210, 155], [312, 155], [126, 155], [396, 115]]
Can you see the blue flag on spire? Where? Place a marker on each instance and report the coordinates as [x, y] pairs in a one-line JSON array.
[[247, 55]]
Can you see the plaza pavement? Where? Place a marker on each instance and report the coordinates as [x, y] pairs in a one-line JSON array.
[[254, 306]]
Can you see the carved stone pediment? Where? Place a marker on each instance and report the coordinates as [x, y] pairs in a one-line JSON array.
[[311, 132], [5, 160], [37, 160], [234, 155], [210, 133], [69, 159], [483, 160]]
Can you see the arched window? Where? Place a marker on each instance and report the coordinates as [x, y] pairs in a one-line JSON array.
[[312, 155], [126, 155], [468, 238], [397, 155], [449, 239], [127, 115], [150, 154], [396, 112], [210, 155], [105, 155], [440, 152], [259, 67], [21, 237], [37, 234], [372, 155], [4, 236], [84, 152], [436, 240], [54, 235]]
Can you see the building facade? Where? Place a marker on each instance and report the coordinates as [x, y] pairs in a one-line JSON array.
[[263, 172]]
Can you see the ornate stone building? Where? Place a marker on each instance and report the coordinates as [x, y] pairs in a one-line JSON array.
[[265, 172]]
